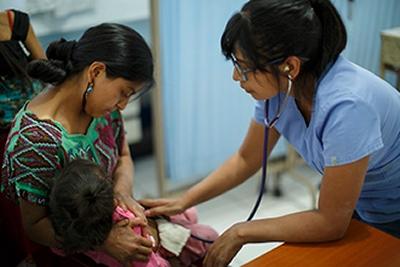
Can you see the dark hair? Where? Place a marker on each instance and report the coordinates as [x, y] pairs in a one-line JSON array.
[[81, 206], [14, 55], [272, 30], [123, 51], [17, 65]]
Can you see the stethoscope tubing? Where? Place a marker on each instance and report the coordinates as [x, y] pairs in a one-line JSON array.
[[267, 125]]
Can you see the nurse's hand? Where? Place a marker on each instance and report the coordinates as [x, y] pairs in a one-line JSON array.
[[163, 206], [224, 249], [126, 202]]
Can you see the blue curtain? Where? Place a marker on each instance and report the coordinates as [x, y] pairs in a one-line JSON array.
[[205, 113], [364, 20]]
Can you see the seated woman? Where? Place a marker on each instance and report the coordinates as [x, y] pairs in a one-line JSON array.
[[82, 213], [79, 116]]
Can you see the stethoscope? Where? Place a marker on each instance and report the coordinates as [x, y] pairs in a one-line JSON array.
[[268, 124]]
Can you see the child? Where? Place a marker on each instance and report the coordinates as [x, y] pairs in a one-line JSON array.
[[82, 212]]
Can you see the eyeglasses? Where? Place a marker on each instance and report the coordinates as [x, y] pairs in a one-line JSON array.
[[242, 71]]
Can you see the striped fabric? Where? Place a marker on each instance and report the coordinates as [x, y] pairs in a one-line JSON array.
[[36, 149]]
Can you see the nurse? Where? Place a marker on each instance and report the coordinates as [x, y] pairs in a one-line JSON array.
[[342, 119]]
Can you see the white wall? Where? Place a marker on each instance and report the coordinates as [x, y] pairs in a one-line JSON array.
[[60, 16]]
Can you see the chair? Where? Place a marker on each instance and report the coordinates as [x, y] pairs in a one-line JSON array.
[[284, 159]]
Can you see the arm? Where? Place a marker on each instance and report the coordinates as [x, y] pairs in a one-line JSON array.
[[139, 246], [33, 45], [123, 185], [37, 224], [340, 190], [123, 175], [244, 163], [237, 169]]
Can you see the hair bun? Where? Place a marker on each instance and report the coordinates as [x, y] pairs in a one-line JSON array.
[[61, 50], [48, 71], [56, 68]]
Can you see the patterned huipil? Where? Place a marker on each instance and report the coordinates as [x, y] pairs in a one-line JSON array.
[[37, 149]]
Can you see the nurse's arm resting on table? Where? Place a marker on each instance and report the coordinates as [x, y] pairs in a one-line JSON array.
[[340, 189]]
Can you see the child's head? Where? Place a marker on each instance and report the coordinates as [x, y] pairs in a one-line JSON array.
[[81, 206]]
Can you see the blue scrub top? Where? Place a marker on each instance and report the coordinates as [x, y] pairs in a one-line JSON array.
[[355, 114]]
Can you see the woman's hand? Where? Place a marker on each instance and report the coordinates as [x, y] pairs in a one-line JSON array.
[[124, 245], [127, 202], [163, 206], [222, 251]]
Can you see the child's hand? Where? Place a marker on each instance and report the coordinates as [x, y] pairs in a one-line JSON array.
[[128, 203], [162, 206]]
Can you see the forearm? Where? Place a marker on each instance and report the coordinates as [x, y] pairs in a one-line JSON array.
[[243, 164], [230, 174], [37, 224], [34, 45], [308, 226], [340, 190], [123, 176], [42, 232]]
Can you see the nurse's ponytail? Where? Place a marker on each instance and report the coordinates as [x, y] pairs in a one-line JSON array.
[[333, 34]]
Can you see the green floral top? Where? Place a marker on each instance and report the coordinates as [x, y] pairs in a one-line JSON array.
[[37, 149]]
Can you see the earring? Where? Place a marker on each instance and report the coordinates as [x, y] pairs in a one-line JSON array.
[[89, 89]]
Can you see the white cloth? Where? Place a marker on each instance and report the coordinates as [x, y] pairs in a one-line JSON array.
[[173, 237]]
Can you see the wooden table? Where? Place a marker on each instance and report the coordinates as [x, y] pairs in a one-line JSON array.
[[362, 245]]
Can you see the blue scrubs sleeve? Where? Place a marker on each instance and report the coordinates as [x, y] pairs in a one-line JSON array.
[[351, 131], [259, 112]]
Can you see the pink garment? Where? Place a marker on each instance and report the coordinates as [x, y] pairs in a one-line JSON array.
[[192, 254], [194, 250], [155, 259]]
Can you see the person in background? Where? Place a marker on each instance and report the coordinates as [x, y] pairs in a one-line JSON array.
[[79, 116], [342, 119], [18, 46], [82, 212]]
